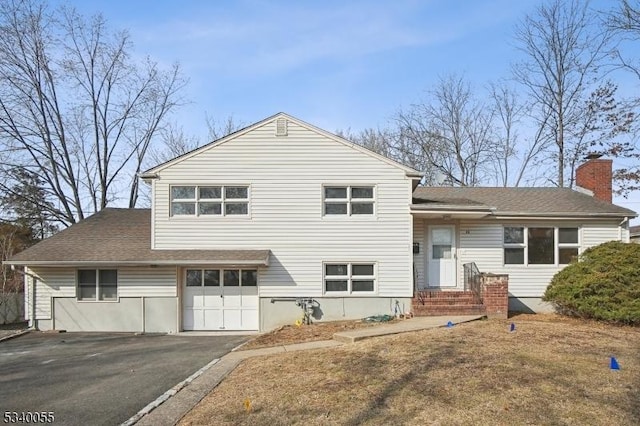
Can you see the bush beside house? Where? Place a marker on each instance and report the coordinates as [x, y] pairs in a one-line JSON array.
[[604, 285]]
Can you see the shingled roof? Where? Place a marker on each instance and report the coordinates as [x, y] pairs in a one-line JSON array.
[[123, 236], [518, 201]]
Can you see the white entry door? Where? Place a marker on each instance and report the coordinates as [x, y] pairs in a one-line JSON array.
[[441, 256], [220, 299]]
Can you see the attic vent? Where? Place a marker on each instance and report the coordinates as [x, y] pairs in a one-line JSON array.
[[281, 127]]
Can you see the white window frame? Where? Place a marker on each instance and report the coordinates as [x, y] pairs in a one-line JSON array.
[[349, 277], [349, 200], [525, 245], [97, 284], [560, 245], [223, 201]]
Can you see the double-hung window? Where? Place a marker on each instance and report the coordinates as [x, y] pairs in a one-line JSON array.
[[97, 284], [209, 200], [540, 245], [350, 278], [348, 200]]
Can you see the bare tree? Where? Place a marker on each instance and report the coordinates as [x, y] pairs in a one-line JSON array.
[[564, 49], [450, 132], [219, 129], [624, 21], [75, 107], [514, 152]]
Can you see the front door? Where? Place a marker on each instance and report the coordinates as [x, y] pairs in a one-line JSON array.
[[441, 256], [220, 299]]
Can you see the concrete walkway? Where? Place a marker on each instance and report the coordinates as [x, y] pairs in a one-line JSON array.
[[178, 401], [414, 324]]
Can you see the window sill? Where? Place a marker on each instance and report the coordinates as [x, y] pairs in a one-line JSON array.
[[345, 294], [211, 218]]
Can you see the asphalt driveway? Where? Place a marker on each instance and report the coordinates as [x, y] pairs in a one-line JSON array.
[[98, 378]]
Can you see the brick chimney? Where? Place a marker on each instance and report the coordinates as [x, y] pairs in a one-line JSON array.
[[595, 175]]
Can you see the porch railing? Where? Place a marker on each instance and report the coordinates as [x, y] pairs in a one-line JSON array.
[[472, 279]]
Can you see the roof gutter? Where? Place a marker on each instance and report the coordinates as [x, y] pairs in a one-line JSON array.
[[51, 263], [561, 216]]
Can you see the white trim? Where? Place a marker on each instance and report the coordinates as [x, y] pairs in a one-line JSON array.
[[557, 245], [141, 263], [153, 214], [223, 201], [349, 278], [409, 171], [349, 200], [97, 286]]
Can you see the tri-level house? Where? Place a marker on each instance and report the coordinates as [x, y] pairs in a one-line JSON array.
[[244, 231]]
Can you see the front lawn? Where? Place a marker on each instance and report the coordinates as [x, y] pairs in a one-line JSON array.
[[549, 371]]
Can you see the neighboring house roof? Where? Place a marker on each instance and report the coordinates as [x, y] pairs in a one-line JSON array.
[[634, 232], [408, 170], [549, 202], [123, 237]]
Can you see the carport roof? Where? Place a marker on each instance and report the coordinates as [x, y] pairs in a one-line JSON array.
[[123, 237]]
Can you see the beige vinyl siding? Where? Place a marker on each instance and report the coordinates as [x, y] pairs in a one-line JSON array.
[[132, 282], [147, 282], [481, 242], [52, 282], [286, 177], [600, 232]]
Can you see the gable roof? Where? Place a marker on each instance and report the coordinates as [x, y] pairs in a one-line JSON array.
[[544, 202], [123, 237], [150, 173]]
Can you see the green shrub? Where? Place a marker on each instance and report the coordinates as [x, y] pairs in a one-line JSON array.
[[603, 285]]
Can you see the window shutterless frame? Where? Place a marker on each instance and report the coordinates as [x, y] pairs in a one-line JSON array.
[[540, 245], [349, 278], [210, 200], [97, 285], [348, 200]]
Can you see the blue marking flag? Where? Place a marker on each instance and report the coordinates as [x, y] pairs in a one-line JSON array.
[[614, 364], [449, 324], [512, 328]]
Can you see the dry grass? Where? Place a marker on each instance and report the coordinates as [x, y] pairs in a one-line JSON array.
[[549, 371], [305, 333]]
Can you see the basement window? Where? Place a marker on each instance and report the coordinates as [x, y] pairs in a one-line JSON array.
[[97, 284]]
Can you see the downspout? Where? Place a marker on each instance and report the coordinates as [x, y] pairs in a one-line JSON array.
[[143, 314], [31, 288], [625, 220]]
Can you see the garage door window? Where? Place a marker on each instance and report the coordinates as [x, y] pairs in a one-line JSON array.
[[226, 277], [97, 285]]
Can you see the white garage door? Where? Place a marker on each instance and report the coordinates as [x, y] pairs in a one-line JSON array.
[[220, 299]]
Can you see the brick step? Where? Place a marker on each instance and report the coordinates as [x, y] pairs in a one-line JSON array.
[[425, 311], [460, 297], [446, 302], [431, 294]]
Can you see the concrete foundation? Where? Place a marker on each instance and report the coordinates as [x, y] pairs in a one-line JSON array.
[[279, 313], [529, 305], [130, 314]]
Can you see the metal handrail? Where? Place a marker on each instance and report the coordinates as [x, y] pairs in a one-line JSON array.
[[472, 281]]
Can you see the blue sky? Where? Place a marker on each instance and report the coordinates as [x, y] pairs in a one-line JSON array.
[[335, 64]]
